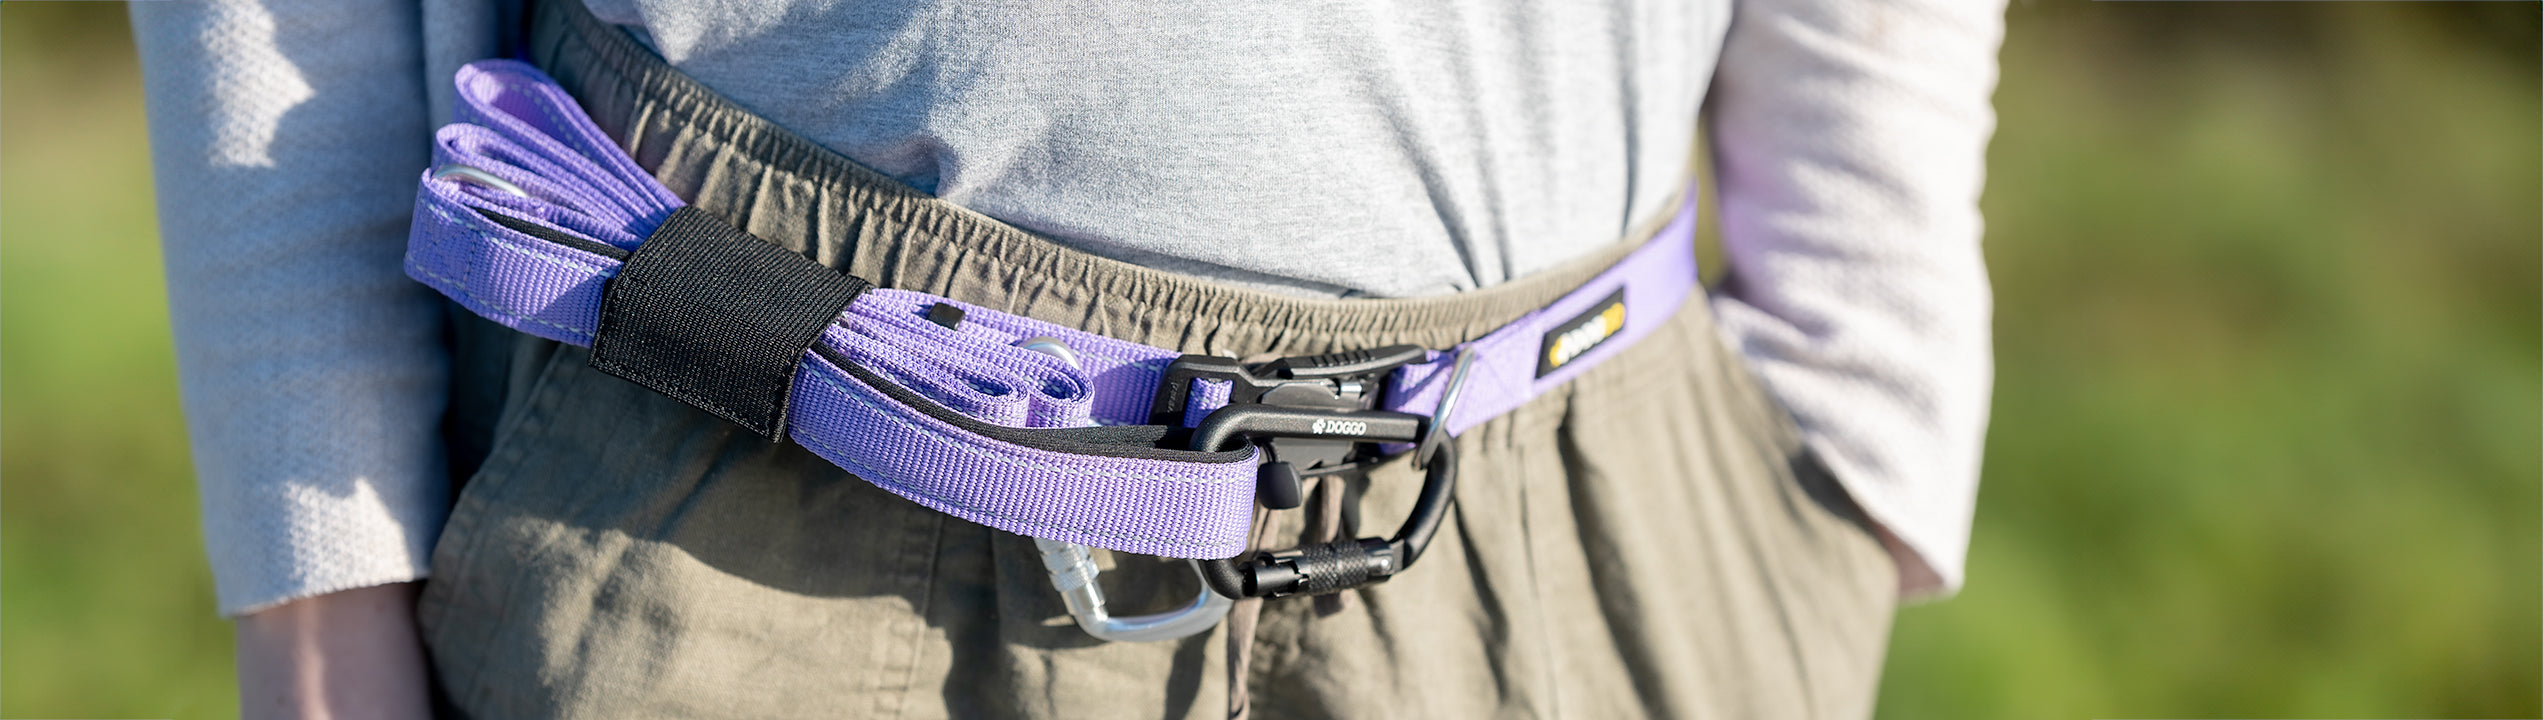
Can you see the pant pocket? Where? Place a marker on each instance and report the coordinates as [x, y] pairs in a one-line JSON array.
[[1746, 589], [623, 554]]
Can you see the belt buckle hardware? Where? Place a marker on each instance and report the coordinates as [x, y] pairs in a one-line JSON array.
[[1351, 380], [1314, 416]]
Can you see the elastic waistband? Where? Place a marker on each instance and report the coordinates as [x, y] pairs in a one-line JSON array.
[[793, 192]]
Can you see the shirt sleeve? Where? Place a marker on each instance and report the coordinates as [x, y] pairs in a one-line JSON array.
[[1849, 140], [287, 137]]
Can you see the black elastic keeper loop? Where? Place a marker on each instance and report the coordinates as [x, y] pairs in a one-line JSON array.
[[717, 318]]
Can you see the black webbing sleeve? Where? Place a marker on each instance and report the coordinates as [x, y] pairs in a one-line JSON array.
[[717, 318]]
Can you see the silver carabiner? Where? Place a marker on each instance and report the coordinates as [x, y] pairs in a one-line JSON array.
[[1073, 573]]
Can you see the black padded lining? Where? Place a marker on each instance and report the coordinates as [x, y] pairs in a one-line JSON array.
[[1137, 442], [549, 234]]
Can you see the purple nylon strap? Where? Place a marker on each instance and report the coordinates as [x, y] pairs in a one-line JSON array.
[[929, 412]]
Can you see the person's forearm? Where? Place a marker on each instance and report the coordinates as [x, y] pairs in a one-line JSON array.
[[349, 654], [286, 138], [1850, 146]]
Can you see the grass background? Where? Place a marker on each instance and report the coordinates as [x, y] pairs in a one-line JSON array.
[[2268, 434]]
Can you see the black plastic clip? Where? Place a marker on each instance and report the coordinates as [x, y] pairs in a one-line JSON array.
[[1350, 380]]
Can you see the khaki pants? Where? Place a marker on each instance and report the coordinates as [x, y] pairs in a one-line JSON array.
[[1650, 540]]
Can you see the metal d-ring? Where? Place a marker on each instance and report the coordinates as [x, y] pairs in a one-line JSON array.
[[1073, 572], [456, 172], [1436, 437]]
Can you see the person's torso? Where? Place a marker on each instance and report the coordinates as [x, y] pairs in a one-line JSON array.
[[1323, 148]]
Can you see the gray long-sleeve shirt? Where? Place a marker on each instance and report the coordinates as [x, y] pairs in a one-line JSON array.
[[1331, 148]]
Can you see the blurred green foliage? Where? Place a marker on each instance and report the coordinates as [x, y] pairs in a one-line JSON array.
[[2268, 434], [2268, 431], [105, 601]]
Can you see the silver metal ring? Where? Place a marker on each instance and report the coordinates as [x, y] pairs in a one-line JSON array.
[[1054, 347], [1447, 404], [456, 172]]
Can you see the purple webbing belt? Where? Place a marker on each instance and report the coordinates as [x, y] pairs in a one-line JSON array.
[[517, 126]]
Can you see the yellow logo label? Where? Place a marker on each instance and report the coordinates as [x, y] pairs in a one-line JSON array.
[[1583, 333]]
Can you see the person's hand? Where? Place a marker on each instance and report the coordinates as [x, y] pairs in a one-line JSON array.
[[350, 654]]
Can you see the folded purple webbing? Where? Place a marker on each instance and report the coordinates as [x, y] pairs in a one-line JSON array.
[[957, 419]]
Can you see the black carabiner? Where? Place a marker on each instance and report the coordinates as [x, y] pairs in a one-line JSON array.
[[1344, 564], [1311, 415]]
